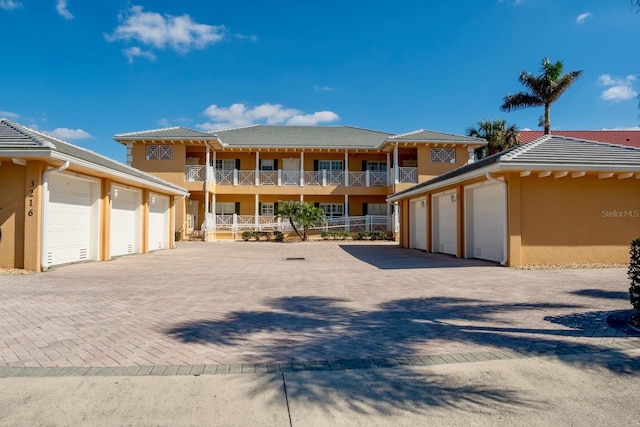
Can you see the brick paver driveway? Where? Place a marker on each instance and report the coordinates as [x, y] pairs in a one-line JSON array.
[[230, 303]]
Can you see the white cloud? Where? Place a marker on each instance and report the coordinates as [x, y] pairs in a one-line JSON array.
[[66, 133], [244, 37], [270, 114], [621, 89], [179, 33], [623, 128], [133, 52], [61, 7], [10, 4], [9, 115], [323, 88], [582, 17]]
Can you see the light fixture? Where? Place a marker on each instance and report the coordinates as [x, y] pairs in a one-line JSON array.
[[115, 193], [454, 198], [423, 203], [153, 200]]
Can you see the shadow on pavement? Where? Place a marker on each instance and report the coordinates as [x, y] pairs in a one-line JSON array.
[[305, 328], [599, 293], [378, 256]]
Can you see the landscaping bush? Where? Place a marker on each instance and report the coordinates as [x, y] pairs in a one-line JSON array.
[[278, 236], [334, 235], [634, 274], [257, 235], [246, 235]]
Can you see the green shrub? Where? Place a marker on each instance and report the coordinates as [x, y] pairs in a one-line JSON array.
[[246, 235], [634, 274], [278, 236]]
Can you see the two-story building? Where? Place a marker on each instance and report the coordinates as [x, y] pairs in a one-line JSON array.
[[237, 177]]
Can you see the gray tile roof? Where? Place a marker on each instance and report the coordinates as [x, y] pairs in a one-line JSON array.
[[550, 152], [302, 137], [432, 136], [165, 133], [15, 136], [560, 150]]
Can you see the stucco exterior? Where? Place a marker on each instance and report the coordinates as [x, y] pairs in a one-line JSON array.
[[559, 211]]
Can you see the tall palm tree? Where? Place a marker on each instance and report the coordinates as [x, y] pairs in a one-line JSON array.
[[499, 136], [544, 89]]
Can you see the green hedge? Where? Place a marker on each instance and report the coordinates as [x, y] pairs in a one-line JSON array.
[[634, 274]]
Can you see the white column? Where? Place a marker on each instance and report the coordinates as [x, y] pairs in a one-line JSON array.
[[396, 167], [346, 212], [213, 203], [396, 218], [206, 189], [346, 168], [257, 168], [301, 198], [302, 169], [388, 177], [256, 218], [213, 167]]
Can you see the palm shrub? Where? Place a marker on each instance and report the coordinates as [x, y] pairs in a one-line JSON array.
[[301, 216], [634, 275]]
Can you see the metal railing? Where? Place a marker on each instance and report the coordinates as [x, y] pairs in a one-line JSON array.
[[408, 175]]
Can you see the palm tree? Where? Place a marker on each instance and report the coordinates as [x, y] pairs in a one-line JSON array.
[[499, 137], [301, 215], [544, 89]]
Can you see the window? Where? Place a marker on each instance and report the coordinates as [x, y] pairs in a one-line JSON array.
[[377, 209], [226, 164], [443, 155], [376, 166], [267, 165], [267, 209], [330, 165], [225, 208], [159, 152], [332, 209]]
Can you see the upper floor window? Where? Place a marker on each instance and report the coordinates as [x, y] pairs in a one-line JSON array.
[[376, 166], [330, 165], [226, 164], [443, 155], [159, 152]]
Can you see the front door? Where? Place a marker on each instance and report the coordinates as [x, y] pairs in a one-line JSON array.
[[193, 214]]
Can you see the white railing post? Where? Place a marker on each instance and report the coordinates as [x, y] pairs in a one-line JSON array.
[[367, 221], [324, 177], [235, 177], [257, 177], [396, 166], [346, 168], [279, 177], [302, 169], [234, 226], [367, 178]]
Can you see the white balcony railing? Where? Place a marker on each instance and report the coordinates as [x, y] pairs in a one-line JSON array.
[[408, 175], [324, 178]]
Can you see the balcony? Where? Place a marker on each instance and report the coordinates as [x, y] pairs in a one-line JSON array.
[[323, 178]]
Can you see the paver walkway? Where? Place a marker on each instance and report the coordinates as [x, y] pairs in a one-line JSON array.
[[259, 307]]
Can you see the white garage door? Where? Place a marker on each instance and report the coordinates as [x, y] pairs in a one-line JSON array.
[[418, 224], [125, 221], [69, 222], [158, 222], [445, 227], [486, 223]]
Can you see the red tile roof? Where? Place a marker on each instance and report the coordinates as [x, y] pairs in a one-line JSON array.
[[619, 137]]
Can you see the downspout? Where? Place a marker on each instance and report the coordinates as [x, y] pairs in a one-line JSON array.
[[45, 193], [505, 258], [206, 193]]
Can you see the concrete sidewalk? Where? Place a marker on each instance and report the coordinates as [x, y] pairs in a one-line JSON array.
[[543, 391]]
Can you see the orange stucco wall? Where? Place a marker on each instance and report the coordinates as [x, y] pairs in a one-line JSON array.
[[12, 193], [578, 220], [428, 169]]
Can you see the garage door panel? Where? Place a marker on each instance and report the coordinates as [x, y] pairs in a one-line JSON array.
[[124, 223], [418, 226], [445, 227], [159, 223], [487, 223], [68, 222]]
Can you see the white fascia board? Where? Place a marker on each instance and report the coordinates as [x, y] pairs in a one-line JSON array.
[[454, 180], [556, 167], [30, 153], [126, 177]]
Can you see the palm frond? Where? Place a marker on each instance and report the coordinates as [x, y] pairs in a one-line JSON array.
[[520, 100]]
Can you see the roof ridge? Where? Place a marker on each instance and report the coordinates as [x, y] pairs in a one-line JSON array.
[[407, 133], [521, 149], [367, 129], [590, 141], [212, 132], [155, 130]]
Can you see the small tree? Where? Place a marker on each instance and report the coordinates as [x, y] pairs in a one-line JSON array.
[[301, 215], [634, 275]]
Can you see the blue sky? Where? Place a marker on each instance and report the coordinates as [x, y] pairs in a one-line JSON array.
[[87, 70]]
